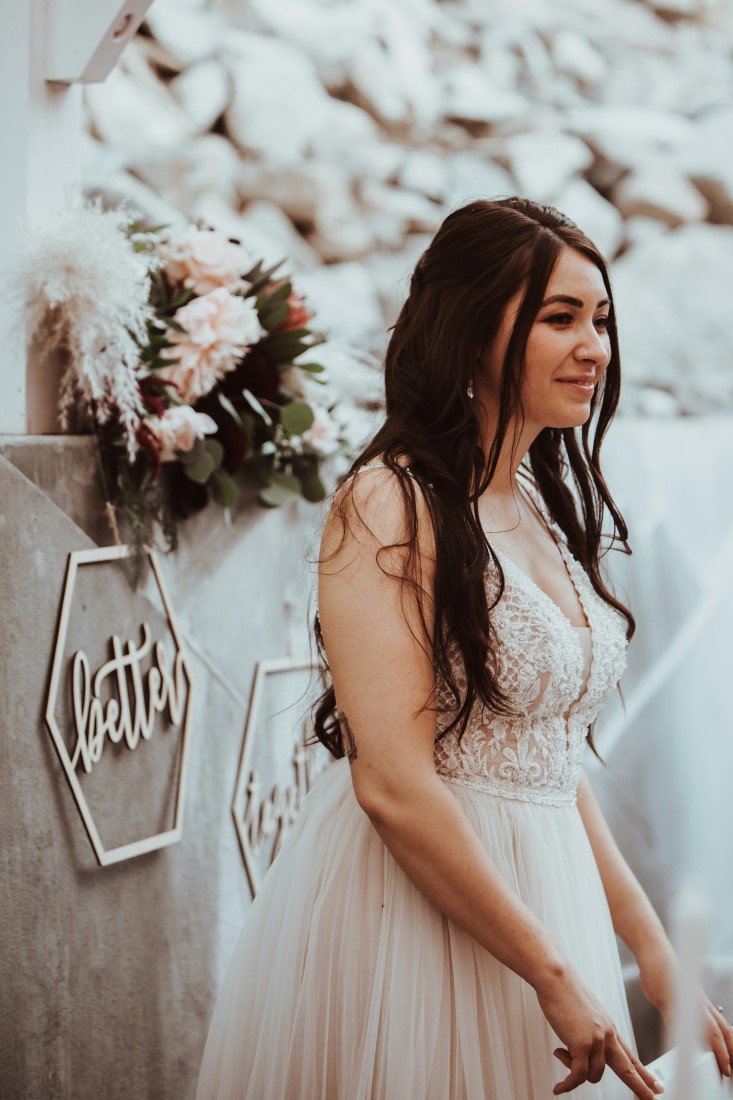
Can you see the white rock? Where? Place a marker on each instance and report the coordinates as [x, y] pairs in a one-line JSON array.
[[543, 161], [134, 113], [657, 191], [300, 191], [279, 105], [469, 95], [471, 176], [707, 157], [365, 158], [673, 306], [346, 301], [575, 56], [598, 219], [188, 31], [639, 230], [392, 72], [208, 164], [629, 135], [203, 91], [416, 213], [391, 273], [425, 172], [680, 7]]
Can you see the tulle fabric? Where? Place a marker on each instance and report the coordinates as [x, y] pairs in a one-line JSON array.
[[347, 984]]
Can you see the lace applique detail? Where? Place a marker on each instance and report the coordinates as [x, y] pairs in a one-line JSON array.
[[538, 755]]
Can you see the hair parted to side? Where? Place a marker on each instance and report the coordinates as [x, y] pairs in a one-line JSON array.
[[481, 256]]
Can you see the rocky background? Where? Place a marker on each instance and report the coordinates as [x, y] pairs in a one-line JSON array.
[[339, 133]]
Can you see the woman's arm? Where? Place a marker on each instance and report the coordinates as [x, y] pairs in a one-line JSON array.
[[380, 659], [640, 928], [632, 913]]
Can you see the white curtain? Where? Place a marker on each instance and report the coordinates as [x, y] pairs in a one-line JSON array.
[[668, 789]]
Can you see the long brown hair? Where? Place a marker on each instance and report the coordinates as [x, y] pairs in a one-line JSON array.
[[482, 255]]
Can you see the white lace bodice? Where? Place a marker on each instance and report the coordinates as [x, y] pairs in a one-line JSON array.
[[538, 756], [555, 682]]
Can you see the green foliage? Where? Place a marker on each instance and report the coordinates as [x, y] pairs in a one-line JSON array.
[[296, 417]]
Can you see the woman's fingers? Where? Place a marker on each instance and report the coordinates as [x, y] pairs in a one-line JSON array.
[[726, 1030], [619, 1057], [578, 1071], [719, 1041], [627, 1066], [596, 1063]]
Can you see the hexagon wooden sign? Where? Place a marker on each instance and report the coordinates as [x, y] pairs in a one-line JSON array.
[[119, 705], [277, 767]]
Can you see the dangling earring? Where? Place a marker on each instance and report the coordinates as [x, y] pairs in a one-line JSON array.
[[469, 390]]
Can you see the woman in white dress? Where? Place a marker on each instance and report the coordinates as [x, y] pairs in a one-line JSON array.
[[440, 922]]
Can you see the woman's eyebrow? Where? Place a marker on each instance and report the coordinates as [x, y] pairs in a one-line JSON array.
[[573, 301]]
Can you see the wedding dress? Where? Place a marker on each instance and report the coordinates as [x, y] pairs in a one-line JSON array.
[[348, 984]]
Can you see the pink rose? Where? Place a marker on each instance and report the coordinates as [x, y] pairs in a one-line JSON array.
[[204, 259], [178, 429], [219, 329], [322, 434]]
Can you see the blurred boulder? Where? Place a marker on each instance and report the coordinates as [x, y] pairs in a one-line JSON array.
[[595, 216], [203, 91], [657, 191], [544, 161], [346, 302], [673, 300]]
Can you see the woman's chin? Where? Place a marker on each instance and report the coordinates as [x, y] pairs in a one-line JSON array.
[[569, 418]]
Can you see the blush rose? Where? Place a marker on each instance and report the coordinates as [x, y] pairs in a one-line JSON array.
[[218, 328], [178, 429], [203, 259]]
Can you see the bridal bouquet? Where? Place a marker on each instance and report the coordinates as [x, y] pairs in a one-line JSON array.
[[191, 362]]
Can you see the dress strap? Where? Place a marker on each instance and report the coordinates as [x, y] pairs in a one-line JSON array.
[[375, 466]]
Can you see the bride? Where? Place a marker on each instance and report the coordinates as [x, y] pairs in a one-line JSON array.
[[441, 921]]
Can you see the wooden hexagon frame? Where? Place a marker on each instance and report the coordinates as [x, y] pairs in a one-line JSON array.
[[107, 856], [263, 669]]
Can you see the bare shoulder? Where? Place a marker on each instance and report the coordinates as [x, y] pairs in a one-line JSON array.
[[375, 509]]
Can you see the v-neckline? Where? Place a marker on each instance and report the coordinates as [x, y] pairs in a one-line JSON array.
[[553, 603]]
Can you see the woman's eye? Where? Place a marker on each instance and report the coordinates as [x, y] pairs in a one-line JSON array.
[[604, 322], [567, 318]]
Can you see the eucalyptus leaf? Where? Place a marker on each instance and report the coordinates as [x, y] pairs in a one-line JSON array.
[[214, 448], [201, 469], [223, 488], [282, 489], [312, 487], [296, 417], [314, 368]]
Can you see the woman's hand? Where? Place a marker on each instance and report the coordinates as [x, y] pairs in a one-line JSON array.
[[591, 1039], [658, 977]]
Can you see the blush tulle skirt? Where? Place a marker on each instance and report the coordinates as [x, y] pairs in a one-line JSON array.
[[347, 984]]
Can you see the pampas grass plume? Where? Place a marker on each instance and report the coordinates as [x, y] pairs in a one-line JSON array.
[[85, 292]]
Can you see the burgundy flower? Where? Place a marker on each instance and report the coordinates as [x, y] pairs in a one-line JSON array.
[[257, 373]]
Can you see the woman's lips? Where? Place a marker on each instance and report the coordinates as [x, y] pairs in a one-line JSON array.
[[583, 388]]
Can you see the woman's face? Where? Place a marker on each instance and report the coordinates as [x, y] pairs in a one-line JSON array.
[[568, 348]]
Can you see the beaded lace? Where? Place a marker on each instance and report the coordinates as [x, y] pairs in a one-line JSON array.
[[536, 756]]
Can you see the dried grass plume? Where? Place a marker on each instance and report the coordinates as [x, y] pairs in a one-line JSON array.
[[85, 293]]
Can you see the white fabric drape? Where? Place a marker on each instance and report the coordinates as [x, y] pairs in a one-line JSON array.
[[667, 792]]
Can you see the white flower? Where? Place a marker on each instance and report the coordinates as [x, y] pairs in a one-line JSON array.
[[204, 259], [85, 292], [321, 437], [178, 429], [219, 328]]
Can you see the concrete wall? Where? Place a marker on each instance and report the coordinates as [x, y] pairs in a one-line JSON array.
[[109, 973]]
